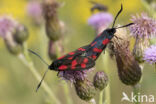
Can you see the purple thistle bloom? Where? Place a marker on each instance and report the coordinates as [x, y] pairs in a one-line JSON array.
[[144, 27], [150, 54], [99, 20], [34, 10], [72, 76], [7, 24]]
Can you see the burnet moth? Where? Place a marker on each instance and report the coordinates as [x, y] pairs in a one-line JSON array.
[[84, 57]]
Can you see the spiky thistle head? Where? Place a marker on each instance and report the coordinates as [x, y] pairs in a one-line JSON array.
[[100, 80], [72, 76], [85, 89], [143, 29], [144, 26]]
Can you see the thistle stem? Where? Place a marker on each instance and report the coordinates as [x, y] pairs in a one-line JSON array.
[[136, 90], [66, 91], [101, 97], [27, 61], [107, 89]]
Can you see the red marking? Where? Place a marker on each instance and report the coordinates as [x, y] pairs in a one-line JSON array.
[[62, 67], [83, 65], [71, 53], [74, 63], [105, 41], [61, 57], [73, 67], [93, 43], [85, 60], [70, 58], [97, 50], [81, 49], [93, 56]]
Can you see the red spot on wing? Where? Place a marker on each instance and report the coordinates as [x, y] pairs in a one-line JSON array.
[[85, 60], [83, 65], [70, 58], [81, 49], [73, 67], [97, 50], [62, 67], [94, 56], [74, 63], [105, 41], [93, 43], [71, 53]]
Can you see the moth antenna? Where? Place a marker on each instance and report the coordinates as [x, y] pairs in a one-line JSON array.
[[38, 86], [125, 25], [38, 57], [117, 15]]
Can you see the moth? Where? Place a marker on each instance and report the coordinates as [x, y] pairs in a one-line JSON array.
[[84, 57]]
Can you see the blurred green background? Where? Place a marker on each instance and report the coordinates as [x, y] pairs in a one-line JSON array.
[[17, 84]]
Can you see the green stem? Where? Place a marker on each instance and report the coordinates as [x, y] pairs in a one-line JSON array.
[[66, 90], [101, 97], [107, 89], [136, 90], [27, 61]]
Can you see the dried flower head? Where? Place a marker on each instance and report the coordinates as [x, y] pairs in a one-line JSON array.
[[150, 54], [128, 68], [85, 89], [7, 24], [53, 27], [144, 27], [34, 10], [100, 80], [100, 21]]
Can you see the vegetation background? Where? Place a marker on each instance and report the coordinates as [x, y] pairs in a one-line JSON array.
[[17, 84]]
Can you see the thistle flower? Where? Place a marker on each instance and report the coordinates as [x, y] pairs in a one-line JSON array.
[[100, 80], [53, 28], [85, 89], [7, 24], [128, 68], [52, 50], [150, 54], [73, 76], [100, 21], [34, 10], [144, 27]]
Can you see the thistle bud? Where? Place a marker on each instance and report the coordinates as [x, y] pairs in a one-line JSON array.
[[12, 46], [85, 89], [21, 34], [53, 28], [52, 50], [129, 70], [100, 80]]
